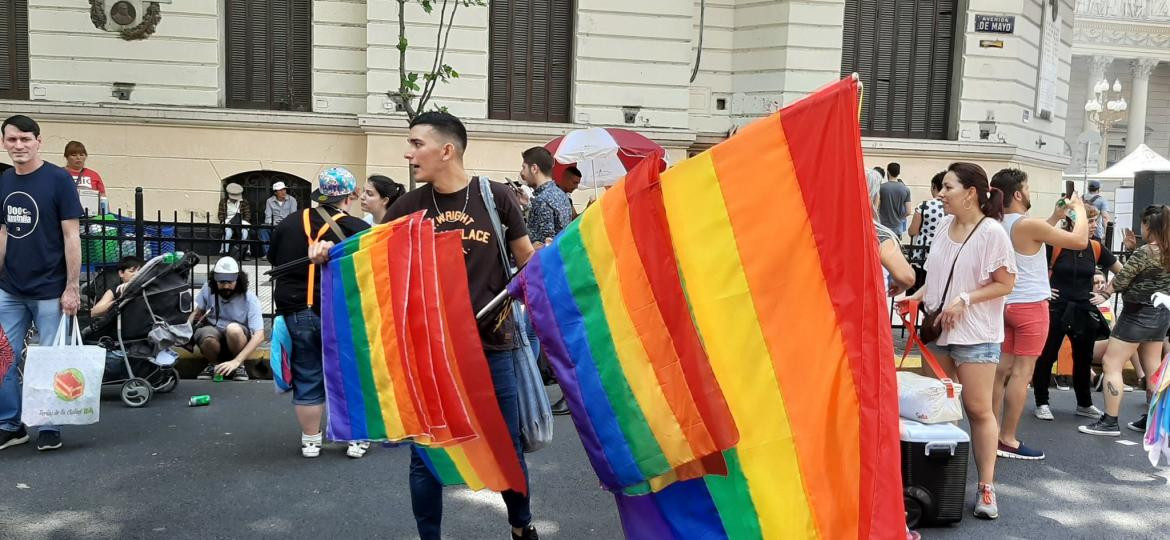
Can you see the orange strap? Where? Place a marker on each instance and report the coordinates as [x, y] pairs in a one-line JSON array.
[[909, 314], [312, 240]]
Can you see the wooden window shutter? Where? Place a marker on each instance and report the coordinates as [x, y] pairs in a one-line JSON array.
[[530, 60], [269, 54], [14, 49], [903, 50]]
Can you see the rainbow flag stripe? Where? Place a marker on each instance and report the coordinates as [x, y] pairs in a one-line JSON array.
[[402, 356], [772, 235]]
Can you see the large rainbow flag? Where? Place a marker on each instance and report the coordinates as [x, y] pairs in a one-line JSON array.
[[734, 304], [402, 357]]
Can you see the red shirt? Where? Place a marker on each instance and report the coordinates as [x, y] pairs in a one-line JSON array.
[[89, 179]]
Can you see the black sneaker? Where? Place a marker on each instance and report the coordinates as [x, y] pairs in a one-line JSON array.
[[1106, 426], [528, 534], [48, 440], [13, 438], [207, 373], [1138, 425], [560, 408], [240, 374]]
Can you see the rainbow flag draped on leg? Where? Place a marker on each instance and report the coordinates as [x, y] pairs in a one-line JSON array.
[[721, 338]]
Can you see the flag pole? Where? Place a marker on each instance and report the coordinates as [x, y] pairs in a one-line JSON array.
[[860, 94]]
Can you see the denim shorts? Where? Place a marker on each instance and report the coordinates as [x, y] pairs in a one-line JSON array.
[[308, 379], [980, 353]]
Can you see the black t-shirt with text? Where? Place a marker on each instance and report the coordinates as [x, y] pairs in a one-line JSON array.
[[486, 276], [289, 243]]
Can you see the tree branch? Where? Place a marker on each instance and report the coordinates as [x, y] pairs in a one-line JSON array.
[[403, 92], [429, 83], [442, 52]]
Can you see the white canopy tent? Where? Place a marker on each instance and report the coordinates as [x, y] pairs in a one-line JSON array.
[[1141, 159]]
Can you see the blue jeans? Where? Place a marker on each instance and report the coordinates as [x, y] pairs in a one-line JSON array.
[[426, 493], [308, 384], [16, 314]]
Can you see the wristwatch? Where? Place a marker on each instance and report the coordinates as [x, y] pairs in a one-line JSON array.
[[966, 298]]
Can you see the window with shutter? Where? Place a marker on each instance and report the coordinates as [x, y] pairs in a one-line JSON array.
[[904, 52], [530, 60], [269, 50], [14, 49]]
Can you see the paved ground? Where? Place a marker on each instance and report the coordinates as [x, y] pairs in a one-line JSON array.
[[233, 470]]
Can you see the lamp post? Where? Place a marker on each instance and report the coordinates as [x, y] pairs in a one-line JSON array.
[[1105, 109]]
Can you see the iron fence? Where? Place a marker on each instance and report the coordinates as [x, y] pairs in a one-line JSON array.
[[107, 238]]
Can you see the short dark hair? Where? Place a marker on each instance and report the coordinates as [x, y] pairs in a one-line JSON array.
[[573, 170], [446, 124], [1010, 181], [23, 123], [882, 171], [129, 262], [895, 169], [74, 147], [936, 182], [539, 156]]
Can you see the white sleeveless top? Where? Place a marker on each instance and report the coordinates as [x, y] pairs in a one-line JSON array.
[[1032, 279]]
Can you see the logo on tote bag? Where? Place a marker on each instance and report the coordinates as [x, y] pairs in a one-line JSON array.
[[69, 384]]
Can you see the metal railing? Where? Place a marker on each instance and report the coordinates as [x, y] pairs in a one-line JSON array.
[[106, 239]]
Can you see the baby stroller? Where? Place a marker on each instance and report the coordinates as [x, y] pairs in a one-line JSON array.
[[147, 319]]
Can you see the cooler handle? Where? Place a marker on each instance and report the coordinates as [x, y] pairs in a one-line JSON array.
[[950, 446]]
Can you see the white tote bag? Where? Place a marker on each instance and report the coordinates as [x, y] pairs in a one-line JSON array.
[[63, 382]]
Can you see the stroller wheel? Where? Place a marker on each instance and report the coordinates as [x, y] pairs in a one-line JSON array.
[[136, 393], [171, 381]]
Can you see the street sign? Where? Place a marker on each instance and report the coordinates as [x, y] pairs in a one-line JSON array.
[[995, 24]]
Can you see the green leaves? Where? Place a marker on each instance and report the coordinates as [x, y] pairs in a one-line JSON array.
[[416, 88]]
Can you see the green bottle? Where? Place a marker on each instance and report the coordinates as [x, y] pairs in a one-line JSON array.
[[199, 401], [217, 378]]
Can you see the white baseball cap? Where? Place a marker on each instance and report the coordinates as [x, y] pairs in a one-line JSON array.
[[226, 269], [278, 186]]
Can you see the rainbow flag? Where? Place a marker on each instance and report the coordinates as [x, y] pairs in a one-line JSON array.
[[775, 217], [402, 357]]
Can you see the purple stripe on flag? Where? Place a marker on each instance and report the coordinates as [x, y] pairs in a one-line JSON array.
[[338, 427]]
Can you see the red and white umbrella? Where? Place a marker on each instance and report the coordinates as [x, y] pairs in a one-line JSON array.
[[603, 155]]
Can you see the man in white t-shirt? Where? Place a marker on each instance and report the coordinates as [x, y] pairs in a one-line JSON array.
[[1026, 316]]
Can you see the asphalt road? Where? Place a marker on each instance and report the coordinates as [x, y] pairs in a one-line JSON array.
[[233, 470]]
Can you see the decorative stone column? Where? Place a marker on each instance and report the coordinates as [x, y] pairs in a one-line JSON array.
[[1136, 132]]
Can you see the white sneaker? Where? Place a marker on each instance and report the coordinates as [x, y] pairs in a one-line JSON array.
[[1044, 413], [1090, 412], [357, 450], [311, 445]]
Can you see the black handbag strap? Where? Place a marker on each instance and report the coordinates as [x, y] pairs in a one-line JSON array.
[[951, 276]]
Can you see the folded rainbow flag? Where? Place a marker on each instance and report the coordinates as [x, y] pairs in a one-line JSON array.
[[402, 357], [774, 218]]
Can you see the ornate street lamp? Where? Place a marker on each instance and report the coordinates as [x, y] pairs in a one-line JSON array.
[[1105, 109]]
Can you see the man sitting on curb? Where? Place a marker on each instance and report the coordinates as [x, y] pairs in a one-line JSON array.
[[227, 321]]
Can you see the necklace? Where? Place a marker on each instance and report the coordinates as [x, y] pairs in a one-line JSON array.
[[466, 198]]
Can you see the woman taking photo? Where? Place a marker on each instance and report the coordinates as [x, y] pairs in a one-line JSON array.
[[380, 193], [1141, 327], [969, 271], [1073, 313]]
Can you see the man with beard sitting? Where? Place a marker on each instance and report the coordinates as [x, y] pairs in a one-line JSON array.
[[228, 322]]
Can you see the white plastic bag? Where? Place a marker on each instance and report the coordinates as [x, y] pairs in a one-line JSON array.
[[63, 382], [928, 400]]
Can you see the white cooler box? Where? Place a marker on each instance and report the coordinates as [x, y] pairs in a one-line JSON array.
[[934, 472]]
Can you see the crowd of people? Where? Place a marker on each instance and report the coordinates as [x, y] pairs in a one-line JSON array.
[[41, 230], [1004, 291]]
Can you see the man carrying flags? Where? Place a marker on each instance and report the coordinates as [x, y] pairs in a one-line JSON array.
[[454, 201]]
